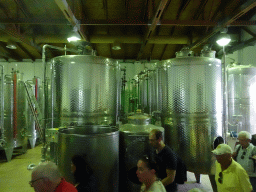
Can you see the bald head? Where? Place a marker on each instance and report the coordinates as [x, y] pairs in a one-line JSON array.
[[47, 170], [45, 177]]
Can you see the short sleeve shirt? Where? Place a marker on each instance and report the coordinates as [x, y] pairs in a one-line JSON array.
[[157, 186], [246, 163], [65, 186], [166, 159], [234, 178]]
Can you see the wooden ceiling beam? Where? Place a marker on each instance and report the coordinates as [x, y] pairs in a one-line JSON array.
[[23, 8], [26, 51], [5, 56], [12, 31], [164, 22], [64, 7], [249, 31], [247, 6], [153, 25]]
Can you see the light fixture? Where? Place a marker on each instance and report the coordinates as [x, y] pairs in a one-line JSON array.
[[11, 45], [223, 38], [74, 36], [116, 45]]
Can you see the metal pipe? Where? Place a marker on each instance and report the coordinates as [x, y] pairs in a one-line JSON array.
[[225, 97], [15, 112], [2, 103], [157, 81]]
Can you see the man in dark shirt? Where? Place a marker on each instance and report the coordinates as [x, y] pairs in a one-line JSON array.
[[166, 159]]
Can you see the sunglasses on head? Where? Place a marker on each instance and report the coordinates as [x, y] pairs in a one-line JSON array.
[[244, 153]]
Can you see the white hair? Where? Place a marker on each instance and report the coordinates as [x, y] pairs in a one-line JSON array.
[[245, 134], [47, 170]]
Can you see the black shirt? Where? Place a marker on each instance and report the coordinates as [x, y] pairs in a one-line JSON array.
[[166, 159]]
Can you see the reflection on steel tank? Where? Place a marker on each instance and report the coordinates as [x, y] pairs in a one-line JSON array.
[[134, 143], [192, 107], [100, 144], [14, 133], [35, 85], [242, 98], [84, 90]]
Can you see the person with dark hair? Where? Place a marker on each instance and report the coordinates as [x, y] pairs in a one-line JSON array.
[[147, 174], [83, 174], [168, 162]]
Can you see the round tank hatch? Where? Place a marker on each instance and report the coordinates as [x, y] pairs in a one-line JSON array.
[[184, 52], [139, 118]]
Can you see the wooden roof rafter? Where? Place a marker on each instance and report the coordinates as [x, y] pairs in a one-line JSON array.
[[155, 20], [244, 8]]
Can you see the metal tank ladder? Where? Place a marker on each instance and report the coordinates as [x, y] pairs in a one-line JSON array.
[[33, 104]]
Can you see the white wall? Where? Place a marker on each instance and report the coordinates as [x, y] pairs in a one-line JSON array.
[[28, 68]]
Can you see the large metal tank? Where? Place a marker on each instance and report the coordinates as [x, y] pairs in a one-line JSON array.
[[242, 98], [100, 144], [84, 90], [134, 143], [192, 109], [15, 107]]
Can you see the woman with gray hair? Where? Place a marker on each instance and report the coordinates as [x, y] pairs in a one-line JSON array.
[[245, 155]]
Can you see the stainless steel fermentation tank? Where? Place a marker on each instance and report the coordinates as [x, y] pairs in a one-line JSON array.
[[192, 107], [242, 98], [15, 106], [85, 90], [100, 144], [148, 91], [134, 143]]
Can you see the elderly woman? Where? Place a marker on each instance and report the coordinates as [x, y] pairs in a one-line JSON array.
[[245, 155], [83, 174], [146, 174]]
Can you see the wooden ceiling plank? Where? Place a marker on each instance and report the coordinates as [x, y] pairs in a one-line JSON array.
[[247, 6], [26, 51], [152, 27], [249, 31], [12, 31], [23, 8], [64, 7]]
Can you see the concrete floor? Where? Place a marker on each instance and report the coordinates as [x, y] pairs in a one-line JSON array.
[[14, 176]]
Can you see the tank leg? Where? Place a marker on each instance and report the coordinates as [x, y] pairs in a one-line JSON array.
[[8, 153], [212, 179], [198, 178], [32, 143]]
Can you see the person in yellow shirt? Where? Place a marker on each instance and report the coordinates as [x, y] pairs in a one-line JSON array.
[[230, 175]]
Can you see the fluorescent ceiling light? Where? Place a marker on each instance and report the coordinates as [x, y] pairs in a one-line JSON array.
[[223, 39], [116, 45], [73, 38]]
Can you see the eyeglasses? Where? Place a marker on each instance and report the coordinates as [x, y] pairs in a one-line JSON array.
[[33, 181], [244, 153], [220, 178]]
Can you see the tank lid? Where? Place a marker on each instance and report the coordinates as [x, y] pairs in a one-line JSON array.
[[207, 52], [139, 118], [131, 128], [184, 52]]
